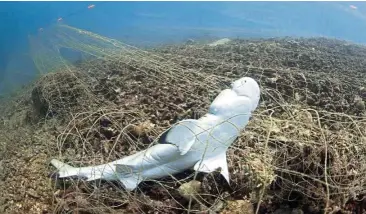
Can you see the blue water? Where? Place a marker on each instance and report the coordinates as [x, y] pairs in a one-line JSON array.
[[162, 22]]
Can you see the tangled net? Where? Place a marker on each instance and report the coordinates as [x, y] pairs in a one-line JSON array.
[[303, 148]]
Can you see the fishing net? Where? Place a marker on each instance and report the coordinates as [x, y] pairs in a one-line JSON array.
[[303, 148]]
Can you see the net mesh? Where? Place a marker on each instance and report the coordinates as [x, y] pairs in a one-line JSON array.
[[305, 142]]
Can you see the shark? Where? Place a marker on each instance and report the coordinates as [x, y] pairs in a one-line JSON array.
[[199, 144]]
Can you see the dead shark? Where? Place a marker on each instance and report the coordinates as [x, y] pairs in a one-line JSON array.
[[199, 144]]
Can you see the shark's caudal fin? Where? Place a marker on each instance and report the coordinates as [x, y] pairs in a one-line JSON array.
[[64, 170], [213, 163], [87, 173]]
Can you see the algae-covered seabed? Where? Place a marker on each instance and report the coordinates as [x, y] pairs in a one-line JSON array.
[[304, 149]]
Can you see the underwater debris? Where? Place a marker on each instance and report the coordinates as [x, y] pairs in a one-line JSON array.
[[200, 144], [322, 83], [190, 189], [91, 6], [220, 42]]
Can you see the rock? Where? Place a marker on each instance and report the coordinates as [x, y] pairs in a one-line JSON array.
[[220, 42], [310, 100], [360, 105], [362, 92], [297, 211], [288, 211], [38, 101], [239, 207], [283, 211], [336, 126], [190, 42], [218, 206], [190, 189], [33, 194], [143, 128]]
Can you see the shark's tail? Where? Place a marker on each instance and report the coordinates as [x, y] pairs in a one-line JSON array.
[[128, 179], [64, 170]]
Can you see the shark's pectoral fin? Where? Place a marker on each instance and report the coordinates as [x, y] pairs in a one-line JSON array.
[[184, 148], [127, 176], [183, 135], [211, 164]]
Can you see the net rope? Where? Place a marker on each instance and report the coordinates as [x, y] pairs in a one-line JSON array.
[[306, 141]]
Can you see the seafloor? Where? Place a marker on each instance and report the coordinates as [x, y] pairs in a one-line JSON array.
[[304, 151]]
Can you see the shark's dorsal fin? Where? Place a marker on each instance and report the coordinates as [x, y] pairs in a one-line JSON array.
[[183, 135], [212, 163]]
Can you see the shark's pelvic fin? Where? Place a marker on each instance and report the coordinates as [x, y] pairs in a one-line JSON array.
[[211, 164], [130, 183], [127, 176]]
